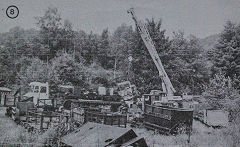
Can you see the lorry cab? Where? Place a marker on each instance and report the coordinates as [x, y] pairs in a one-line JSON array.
[[39, 93]]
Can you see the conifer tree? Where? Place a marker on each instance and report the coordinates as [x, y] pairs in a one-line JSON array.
[[227, 52]]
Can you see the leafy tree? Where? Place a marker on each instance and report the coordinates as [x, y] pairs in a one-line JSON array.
[[98, 76], [90, 48], [13, 45], [79, 45], [220, 94], [64, 70], [68, 36], [7, 74], [122, 46], [186, 66], [104, 47], [55, 35], [31, 69], [50, 30]]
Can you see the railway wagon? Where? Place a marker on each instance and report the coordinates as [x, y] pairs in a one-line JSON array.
[[168, 120]]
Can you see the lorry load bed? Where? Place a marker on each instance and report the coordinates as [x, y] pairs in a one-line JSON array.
[[168, 120], [214, 118]]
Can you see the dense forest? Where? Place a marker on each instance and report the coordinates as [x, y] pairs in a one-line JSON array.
[[58, 54]]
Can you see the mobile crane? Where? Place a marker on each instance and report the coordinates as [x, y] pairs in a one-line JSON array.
[[167, 86], [171, 119]]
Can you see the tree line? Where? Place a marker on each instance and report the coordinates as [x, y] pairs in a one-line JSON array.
[[61, 55]]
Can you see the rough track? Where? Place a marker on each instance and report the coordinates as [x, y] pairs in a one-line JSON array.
[[10, 132]]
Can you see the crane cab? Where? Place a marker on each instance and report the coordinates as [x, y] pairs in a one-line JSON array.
[[160, 98], [154, 97]]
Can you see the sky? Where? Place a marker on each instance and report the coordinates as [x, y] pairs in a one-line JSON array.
[[197, 17]]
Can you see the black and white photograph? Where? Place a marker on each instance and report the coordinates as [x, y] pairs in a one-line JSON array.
[[119, 73]]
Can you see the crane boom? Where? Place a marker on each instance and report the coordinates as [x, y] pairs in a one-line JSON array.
[[166, 83]]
